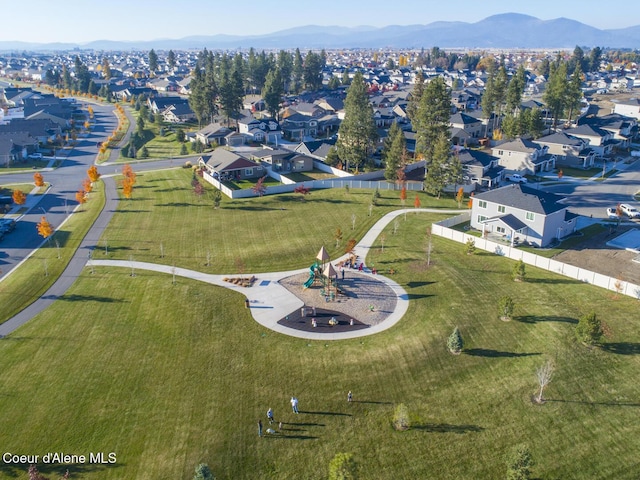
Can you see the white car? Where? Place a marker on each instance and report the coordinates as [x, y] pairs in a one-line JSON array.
[[514, 177], [612, 212], [36, 156], [629, 211]]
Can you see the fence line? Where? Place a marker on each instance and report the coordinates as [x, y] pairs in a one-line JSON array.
[[564, 269]]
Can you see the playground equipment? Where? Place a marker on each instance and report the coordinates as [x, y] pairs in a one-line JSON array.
[[325, 276], [314, 275]]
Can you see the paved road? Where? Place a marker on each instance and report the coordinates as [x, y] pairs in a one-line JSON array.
[[591, 198]]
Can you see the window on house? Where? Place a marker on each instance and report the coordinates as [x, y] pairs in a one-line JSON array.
[[248, 172], [500, 230], [501, 209], [500, 152], [482, 204], [481, 218], [530, 216]]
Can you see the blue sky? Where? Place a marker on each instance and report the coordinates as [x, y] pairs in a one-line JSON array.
[[81, 21]]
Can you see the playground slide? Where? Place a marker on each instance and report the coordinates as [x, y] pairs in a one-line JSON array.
[[309, 282]]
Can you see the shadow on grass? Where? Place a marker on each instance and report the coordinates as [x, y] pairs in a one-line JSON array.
[[418, 284], [372, 402], [584, 402], [414, 296], [303, 424], [89, 298], [180, 204], [290, 437], [447, 428], [551, 281], [133, 211], [622, 348], [549, 318], [327, 413], [486, 352]]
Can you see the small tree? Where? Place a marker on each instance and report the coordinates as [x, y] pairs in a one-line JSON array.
[[45, 230], [505, 308], [343, 467], [87, 186], [519, 463], [203, 473], [519, 272], [302, 190], [460, 197], [454, 342], [127, 187], [338, 236], [19, 198], [217, 198], [544, 375], [259, 188], [81, 197], [351, 244], [183, 149], [589, 329], [470, 247], [401, 420], [38, 180], [403, 194], [416, 202]]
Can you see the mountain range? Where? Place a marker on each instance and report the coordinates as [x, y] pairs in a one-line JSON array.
[[503, 31]]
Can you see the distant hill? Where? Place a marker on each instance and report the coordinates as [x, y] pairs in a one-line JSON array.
[[508, 30]]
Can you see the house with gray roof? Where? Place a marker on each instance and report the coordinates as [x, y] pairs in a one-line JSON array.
[[224, 165], [628, 108], [524, 157], [519, 214], [600, 141], [480, 167], [569, 151]]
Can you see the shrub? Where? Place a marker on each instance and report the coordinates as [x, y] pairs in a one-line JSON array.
[[454, 342], [506, 307], [519, 462], [519, 271], [401, 420], [471, 247], [589, 329], [343, 467]]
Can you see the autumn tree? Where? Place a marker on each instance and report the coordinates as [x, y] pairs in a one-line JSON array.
[[302, 190], [403, 194], [460, 197], [338, 236], [19, 198], [416, 202], [128, 173], [260, 188], [44, 228], [38, 180], [87, 186], [81, 197], [93, 174], [351, 244], [127, 187]]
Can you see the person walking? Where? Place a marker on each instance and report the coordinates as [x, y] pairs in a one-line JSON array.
[[270, 416], [349, 397], [294, 404], [259, 427]]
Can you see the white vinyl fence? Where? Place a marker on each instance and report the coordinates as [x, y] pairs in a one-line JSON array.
[[587, 276]]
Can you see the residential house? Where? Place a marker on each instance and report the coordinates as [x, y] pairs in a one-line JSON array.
[[570, 151], [263, 130], [519, 213], [600, 141], [480, 167], [465, 130], [225, 165], [622, 127], [179, 113], [284, 161], [317, 149], [524, 157], [253, 103], [213, 134], [628, 108], [160, 104], [42, 130], [15, 146], [297, 126]]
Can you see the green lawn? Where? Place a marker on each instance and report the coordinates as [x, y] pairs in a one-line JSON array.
[[275, 232], [308, 176], [28, 282], [170, 376], [580, 172]]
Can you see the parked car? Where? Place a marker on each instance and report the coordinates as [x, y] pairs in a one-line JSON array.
[[629, 211], [514, 177], [612, 212], [7, 225]]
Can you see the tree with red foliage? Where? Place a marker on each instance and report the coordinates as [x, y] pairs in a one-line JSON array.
[[416, 202], [19, 198], [302, 190], [93, 173], [403, 194], [260, 188]]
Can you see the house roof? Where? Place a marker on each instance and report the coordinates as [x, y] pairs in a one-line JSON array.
[[525, 198], [588, 131], [463, 119], [518, 145], [222, 160], [476, 157], [509, 220], [560, 138]]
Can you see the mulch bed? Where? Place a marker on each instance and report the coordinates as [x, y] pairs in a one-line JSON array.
[[297, 321]]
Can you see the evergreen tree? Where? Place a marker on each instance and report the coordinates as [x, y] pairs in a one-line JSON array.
[[171, 59], [515, 91], [298, 71], [393, 152], [574, 92], [285, 65], [589, 329], [414, 100], [555, 94], [83, 77], [454, 342], [203, 472], [595, 57], [438, 175], [153, 61], [357, 132], [332, 157], [312, 71], [333, 83], [343, 467], [519, 463], [106, 68], [432, 117], [532, 122], [273, 91], [346, 80]]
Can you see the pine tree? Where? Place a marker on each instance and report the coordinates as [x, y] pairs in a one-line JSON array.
[[589, 329], [555, 95], [393, 152], [519, 463], [432, 117], [273, 91], [438, 175], [357, 132], [454, 342]]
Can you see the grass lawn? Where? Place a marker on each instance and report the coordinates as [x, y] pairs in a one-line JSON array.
[[580, 172], [23, 187], [308, 176], [29, 281], [567, 243], [169, 376], [275, 232]]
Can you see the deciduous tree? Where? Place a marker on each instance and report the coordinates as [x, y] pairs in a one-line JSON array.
[[87, 186], [401, 420], [44, 228], [416, 202], [38, 180], [519, 271], [19, 198], [302, 190], [81, 197], [544, 375], [260, 188], [506, 307]]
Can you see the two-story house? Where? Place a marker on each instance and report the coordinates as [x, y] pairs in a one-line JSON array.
[[569, 151], [600, 141], [628, 108], [622, 127], [519, 214], [263, 130], [480, 167], [524, 157], [465, 129]]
